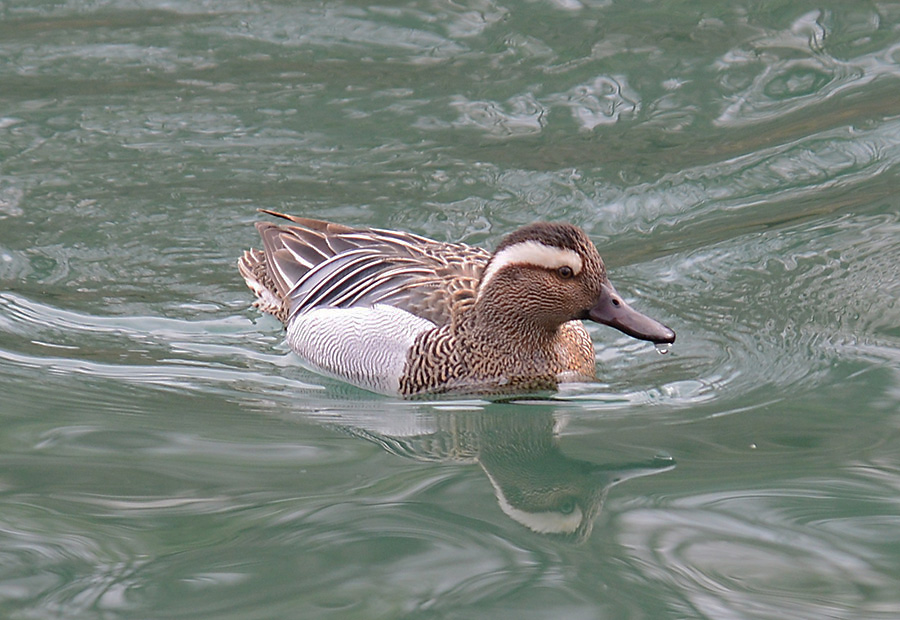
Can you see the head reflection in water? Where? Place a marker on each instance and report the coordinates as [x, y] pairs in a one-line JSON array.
[[539, 486], [535, 483]]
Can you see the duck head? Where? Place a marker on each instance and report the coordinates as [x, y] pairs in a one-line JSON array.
[[551, 273]]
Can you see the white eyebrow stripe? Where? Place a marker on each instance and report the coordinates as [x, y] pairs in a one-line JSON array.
[[542, 522], [531, 253]]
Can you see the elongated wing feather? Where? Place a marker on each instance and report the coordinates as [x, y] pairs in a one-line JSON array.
[[321, 264]]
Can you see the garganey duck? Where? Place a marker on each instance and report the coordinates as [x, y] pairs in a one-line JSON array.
[[396, 313]]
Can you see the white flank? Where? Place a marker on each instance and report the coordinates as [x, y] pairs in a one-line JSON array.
[[531, 253], [365, 346]]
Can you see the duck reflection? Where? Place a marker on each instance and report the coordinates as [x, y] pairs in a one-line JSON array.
[[536, 484]]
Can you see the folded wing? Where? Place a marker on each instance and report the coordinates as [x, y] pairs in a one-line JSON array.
[[320, 264]]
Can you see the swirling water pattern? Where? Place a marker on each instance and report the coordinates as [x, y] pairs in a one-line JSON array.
[[163, 455]]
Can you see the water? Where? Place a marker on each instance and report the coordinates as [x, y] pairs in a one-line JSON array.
[[163, 455]]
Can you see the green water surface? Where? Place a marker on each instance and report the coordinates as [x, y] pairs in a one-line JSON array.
[[164, 455]]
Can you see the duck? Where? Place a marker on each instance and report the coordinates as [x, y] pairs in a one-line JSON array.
[[400, 314]]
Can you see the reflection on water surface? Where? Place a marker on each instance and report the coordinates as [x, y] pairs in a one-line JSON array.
[[535, 483]]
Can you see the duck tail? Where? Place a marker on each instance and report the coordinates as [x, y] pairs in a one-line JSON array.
[[255, 270]]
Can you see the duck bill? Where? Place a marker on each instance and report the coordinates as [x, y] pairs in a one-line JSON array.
[[612, 310]]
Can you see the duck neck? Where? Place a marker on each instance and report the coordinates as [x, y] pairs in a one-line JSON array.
[[510, 330]]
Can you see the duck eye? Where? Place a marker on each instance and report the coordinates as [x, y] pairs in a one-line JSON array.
[[565, 272]]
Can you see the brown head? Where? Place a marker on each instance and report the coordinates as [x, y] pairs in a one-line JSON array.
[[546, 274]]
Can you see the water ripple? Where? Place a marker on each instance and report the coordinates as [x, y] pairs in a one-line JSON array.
[[811, 299], [783, 84], [773, 564], [790, 176], [153, 351]]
